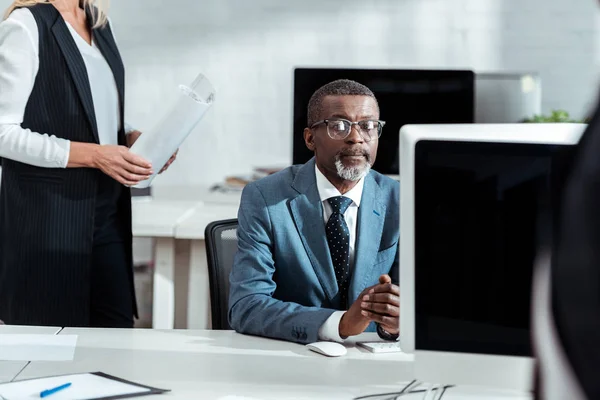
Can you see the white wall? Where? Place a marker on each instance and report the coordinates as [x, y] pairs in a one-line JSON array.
[[248, 49]]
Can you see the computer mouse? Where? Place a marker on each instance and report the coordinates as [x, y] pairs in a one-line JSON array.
[[330, 349]]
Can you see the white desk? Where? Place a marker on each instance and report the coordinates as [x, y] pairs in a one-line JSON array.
[[157, 219], [212, 364], [10, 369], [195, 193], [175, 218], [192, 229]]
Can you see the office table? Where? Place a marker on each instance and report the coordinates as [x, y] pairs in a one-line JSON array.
[[192, 229], [202, 364], [196, 192], [157, 218], [175, 217], [10, 369]]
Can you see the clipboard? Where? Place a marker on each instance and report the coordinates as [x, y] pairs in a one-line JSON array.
[[84, 386]]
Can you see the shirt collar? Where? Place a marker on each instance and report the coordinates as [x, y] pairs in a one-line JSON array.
[[327, 190]]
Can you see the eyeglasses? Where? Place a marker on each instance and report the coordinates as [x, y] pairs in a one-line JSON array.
[[339, 129]]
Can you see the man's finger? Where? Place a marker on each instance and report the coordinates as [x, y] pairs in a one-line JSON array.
[[381, 308], [367, 290], [385, 279], [386, 288], [388, 298], [381, 319]]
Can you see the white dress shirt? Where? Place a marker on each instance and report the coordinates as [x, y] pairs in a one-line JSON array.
[[19, 63], [330, 328]]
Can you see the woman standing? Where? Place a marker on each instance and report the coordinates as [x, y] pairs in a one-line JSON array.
[[65, 208]]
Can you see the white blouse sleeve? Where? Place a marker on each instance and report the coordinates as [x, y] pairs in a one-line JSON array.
[[18, 69]]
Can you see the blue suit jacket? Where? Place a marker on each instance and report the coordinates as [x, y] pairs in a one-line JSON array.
[[283, 284]]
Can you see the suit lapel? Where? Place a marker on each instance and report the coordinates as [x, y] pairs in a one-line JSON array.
[[307, 213], [371, 214], [77, 69]]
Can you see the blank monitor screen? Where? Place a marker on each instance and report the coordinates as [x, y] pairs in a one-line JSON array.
[[404, 96], [482, 210]]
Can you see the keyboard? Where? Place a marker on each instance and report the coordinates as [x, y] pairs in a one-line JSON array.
[[381, 347]]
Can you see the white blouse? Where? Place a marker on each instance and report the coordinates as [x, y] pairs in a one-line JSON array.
[[19, 63]]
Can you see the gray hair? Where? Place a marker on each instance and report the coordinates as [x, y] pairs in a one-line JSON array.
[[340, 87], [351, 173]]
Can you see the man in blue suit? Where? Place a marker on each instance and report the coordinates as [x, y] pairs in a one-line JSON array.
[[318, 243]]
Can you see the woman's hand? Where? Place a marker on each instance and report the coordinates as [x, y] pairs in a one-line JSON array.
[[173, 157], [131, 137], [134, 135], [122, 165]]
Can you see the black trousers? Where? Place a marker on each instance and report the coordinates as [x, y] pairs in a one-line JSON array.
[[111, 293], [111, 297]]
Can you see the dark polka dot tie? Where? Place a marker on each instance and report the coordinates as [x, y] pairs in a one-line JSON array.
[[338, 238]]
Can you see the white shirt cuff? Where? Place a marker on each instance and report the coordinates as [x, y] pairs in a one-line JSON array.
[[330, 330], [67, 150]]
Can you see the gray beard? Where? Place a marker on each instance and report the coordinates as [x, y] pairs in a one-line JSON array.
[[352, 174]]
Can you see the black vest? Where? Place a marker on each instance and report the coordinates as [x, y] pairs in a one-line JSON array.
[[48, 215]]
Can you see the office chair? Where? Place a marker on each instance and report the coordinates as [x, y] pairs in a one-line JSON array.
[[221, 246]]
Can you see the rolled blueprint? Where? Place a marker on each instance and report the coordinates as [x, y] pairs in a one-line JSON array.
[[158, 144]]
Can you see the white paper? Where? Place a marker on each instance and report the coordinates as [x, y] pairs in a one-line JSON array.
[[83, 387], [158, 144], [37, 347]]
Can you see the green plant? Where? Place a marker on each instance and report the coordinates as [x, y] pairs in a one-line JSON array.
[[555, 116]]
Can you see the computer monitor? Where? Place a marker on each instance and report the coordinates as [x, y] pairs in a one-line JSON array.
[[405, 96], [476, 205]]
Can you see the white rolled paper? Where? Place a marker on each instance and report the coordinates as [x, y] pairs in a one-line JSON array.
[[158, 144]]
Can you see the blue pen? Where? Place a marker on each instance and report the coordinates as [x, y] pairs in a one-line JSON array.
[[54, 390]]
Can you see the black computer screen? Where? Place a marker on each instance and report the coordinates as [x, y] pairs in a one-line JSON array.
[[482, 212], [404, 96]]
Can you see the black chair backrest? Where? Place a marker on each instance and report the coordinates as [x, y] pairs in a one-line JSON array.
[[221, 246]]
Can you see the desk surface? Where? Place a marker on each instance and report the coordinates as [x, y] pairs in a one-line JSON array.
[[159, 217], [194, 225], [196, 193], [10, 369], [181, 212], [214, 364]]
